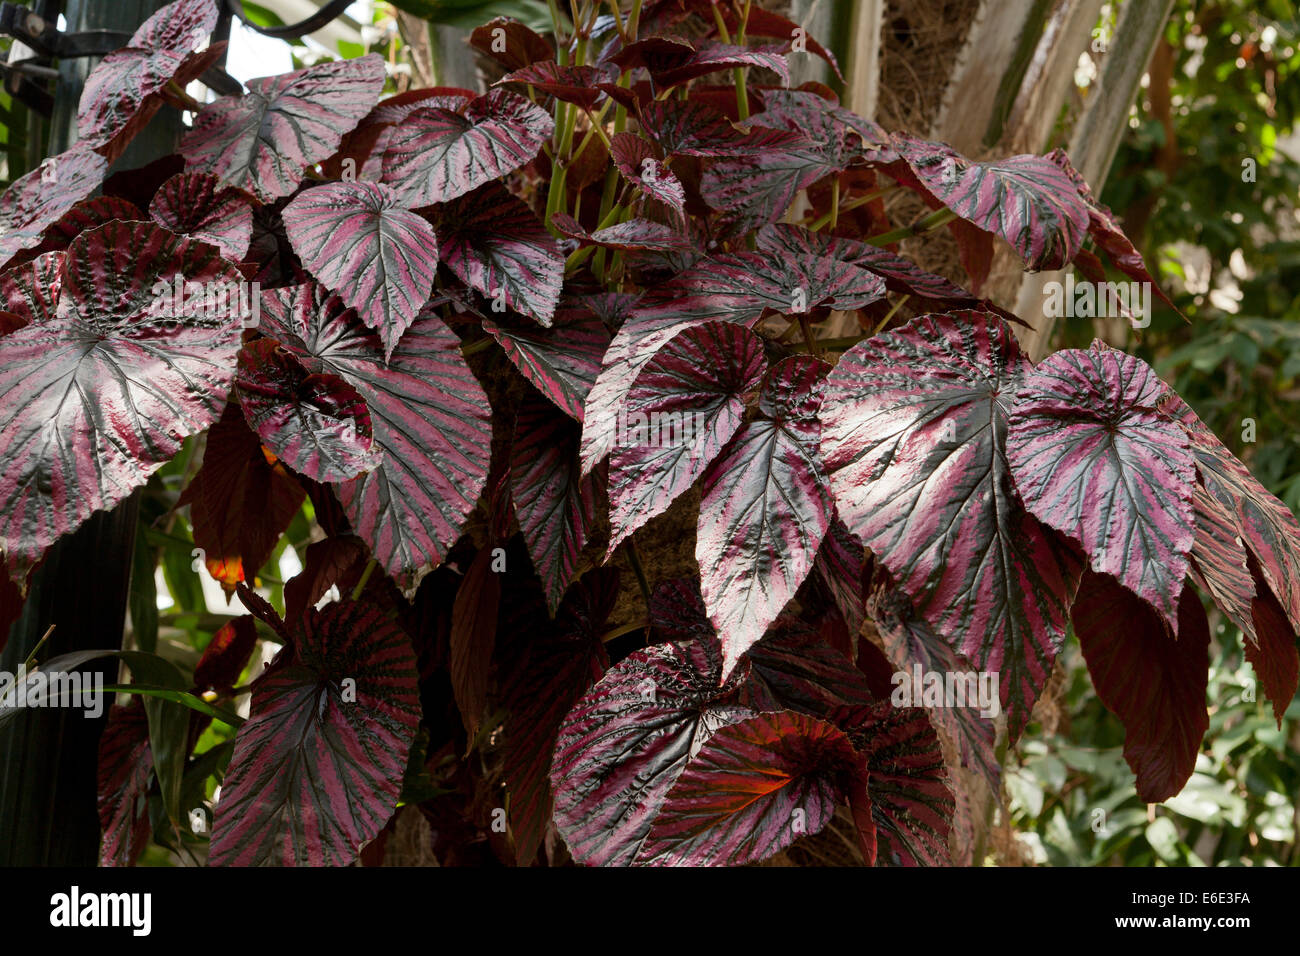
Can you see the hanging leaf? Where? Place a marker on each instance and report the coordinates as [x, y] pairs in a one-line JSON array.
[[127, 87], [671, 61], [1093, 458], [317, 424], [494, 244], [264, 140], [359, 242], [561, 362], [635, 159], [241, 501], [473, 630], [96, 400], [195, 205], [124, 769], [765, 508], [569, 84], [438, 154], [1153, 682], [623, 746], [330, 563], [555, 504], [429, 415], [692, 128], [226, 655], [36, 200], [914, 440], [511, 43], [753, 789], [635, 234], [317, 768], [686, 404]]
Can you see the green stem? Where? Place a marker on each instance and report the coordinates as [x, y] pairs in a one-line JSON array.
[[634, 559], [934, 220], [365, 577], [889, 315]]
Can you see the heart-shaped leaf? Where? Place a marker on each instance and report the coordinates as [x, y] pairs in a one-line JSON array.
[[914, 440], [686, 404], [195, 205], [511, 43], [561, 362], [765, 508], [1152, 681], [97, 399], [318, 424], [1093, 458], [264, 140], [438, 154], [37, 199], [495, 245], [754, 788], [317, 768], [429, 414], [358, 241]]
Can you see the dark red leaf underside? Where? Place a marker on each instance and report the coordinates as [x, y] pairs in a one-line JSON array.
[[671, 60], [635, 159], [635, 234], [511, 43], [691, 128], [125, 767], [317, 769], [1154, 683], [226, 655], [571, 84], [473, 630]]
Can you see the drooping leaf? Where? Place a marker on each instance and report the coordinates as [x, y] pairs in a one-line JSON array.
[[240, 501], [317, 423], [842, 565], [429, 414], [624, 744], [473, 630], [753, 789], [496, 245], [570, 84], [911, 805], [765, 508], [561, 362], [97, 399], [914, 433], [124, 768], [671, 61], [264, 140], [359, 242], [1092, 457], [764, 23], [127, 87], [437, 154], [1027, 200], [1153, 682], [511, 43], [37, 199], [328, 563], [739, 288], [548, 673], [635, 159], [555, 504], [226, 655], [317, 768], [194, 204], [635, 234]]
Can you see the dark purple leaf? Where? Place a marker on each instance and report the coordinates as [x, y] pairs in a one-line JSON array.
[[1092, 457], [764, 23], [99, 398], [317, 423], [571, 84], [430, 418], [754, 788], [555, 504], [125, 766], [914, 432], [671, 60], [496, 245], [264, 140], [623, 746], [635, 159], [359, 242], [686, 404], [473, 630], [317, 769], [635, 234], [86, 214], [328, 563], [765, 508], [127, 87], [793, 668], [1153, 681], [226, 655], [692, 128], [562, 362], [510, 43], [842, 565], [37, 199], [195, 205], [437, 154]]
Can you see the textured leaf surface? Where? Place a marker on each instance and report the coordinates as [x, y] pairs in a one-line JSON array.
[[635, 234], [764, 510], [30, 291], [1092, 457], [318, 766], [692, 128], [686, 404], [561, 362], [625, 743], [359, 242], [572, 84], [438, 154], [914, 432], [99, 398], [37, 199], [496, 246], [635, 159], [264, 140], [195, 205], [124, 768], [317, 424], [751, 791], [672, 60], [429, 414], [1152, 681], [555, 504]]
